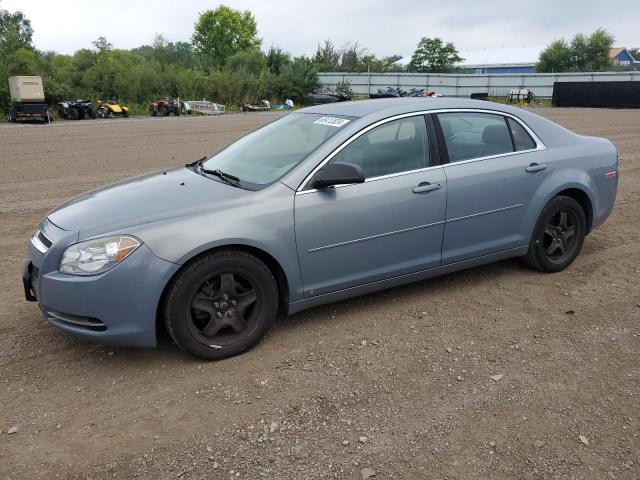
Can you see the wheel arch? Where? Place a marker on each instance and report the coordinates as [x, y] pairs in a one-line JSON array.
[[580, 196], [269, 260]]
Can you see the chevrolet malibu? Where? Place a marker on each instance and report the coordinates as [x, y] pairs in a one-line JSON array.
[[323, 204]]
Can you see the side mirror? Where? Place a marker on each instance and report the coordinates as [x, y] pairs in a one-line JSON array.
[[337, 174]]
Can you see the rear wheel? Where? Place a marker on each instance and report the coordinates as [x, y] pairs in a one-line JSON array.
[[125, 114], [152, 111], [163, 111], [221, 304], [558, 236], [74, 114]]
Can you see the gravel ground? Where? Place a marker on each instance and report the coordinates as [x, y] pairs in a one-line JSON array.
[[497, 372]]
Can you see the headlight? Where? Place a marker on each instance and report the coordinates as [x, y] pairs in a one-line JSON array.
[[96, 256]]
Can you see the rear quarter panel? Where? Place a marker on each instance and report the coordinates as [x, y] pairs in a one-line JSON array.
[[583, 165]]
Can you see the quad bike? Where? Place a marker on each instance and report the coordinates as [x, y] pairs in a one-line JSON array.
[[164, 107], [76, 110], [109, 107]]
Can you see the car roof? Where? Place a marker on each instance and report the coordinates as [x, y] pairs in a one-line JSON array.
[[383, 107]]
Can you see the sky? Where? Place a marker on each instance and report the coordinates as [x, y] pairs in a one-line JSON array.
[[382, 27]]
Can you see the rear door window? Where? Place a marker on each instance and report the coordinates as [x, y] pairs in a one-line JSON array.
[[473, 135]]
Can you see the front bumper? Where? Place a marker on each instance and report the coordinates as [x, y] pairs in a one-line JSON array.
[[117, 307]]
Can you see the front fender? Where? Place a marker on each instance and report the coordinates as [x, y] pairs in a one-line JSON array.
[[263, 221]]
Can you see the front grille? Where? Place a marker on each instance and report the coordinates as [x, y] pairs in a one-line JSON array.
[[65, 319]]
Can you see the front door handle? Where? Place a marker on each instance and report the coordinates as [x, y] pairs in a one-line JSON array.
[[535, 167], [426, 187]]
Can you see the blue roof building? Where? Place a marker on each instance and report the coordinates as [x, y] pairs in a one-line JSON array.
[[622, 58]]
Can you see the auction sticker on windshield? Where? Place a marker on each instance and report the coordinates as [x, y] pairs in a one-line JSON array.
[[332, 121]]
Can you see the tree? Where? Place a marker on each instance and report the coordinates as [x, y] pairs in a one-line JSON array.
[[555, 58], [434, 56], [277, 59], [102, 44], [223, 32], [585, 53], [635, 53], [15, 32], [327, 57], [247, 62]]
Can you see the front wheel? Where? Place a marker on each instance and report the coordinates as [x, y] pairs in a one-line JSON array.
[[558, 236], [221, 304]]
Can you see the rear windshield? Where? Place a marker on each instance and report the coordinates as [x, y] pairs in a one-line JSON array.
[[265, 155]]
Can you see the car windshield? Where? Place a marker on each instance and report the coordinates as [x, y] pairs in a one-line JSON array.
[[265, 155]]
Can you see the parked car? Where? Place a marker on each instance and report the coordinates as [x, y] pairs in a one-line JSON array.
[[110, 107], [164, 107], [76, 110], [383, 193]]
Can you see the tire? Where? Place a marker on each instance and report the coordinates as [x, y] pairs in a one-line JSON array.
[[176, 111], [553, 247], [163, 111], [74, 114], [125, 114], [61, 114], [152, 112], [221, 304], [92, 113]]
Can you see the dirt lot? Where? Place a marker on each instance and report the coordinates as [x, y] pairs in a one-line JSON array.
[[398, 383]]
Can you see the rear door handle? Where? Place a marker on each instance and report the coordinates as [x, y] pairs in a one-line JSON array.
[[535, 167], [426, 187]]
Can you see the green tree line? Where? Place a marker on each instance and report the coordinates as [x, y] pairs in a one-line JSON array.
[[225, 62]]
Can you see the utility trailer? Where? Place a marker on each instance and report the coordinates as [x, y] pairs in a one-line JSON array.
[[27, 96], [203, 106]]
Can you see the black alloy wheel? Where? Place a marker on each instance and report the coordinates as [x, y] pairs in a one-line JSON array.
[[222, 310], [221, 304], [558, 235]]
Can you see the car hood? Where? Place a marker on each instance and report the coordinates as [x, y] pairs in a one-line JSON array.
[[146, 199]]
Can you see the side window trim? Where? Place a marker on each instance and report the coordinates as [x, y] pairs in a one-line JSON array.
[[444, 159]]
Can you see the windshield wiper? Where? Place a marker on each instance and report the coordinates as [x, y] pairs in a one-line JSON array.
[[220, 174]]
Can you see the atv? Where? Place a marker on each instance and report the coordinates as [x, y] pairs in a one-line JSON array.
[[164, 107], [109, 107], [76, 110]]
